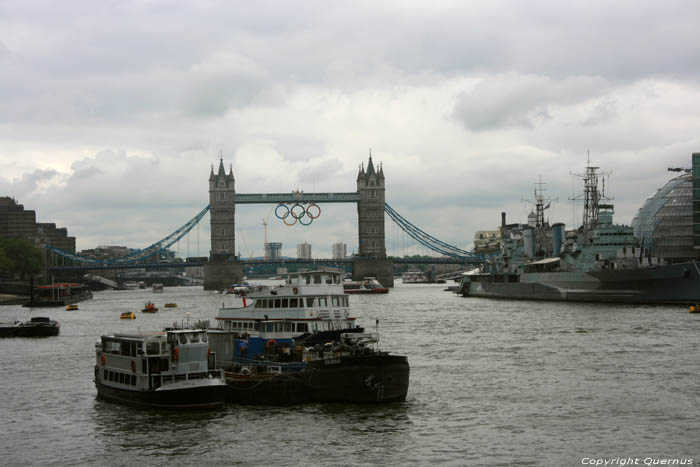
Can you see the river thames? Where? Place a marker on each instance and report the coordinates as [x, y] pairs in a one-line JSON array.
[[493, 382]]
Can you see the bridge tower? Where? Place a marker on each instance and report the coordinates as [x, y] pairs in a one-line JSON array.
[[223, 268], [372, 260]]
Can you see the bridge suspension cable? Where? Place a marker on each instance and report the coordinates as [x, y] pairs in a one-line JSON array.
[[139, 255], [426, 239]]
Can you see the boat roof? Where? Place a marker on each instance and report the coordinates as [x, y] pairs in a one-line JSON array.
[[546, 261], [321, 270]]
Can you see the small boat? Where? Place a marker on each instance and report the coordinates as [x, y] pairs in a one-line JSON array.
[[72, 307], [38, 327], [414, 277], [694, 308], [165, 370], [171, 305], [128, 315], [366, 286], [149, 307], [157, 288]]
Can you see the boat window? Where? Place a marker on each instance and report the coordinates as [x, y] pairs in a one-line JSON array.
[[163, 347], [143, 366], [164, 364], [336, 279], [345, 301], [278, 302], [269, 327], [329, 280], [121, 378], [308, 279], [133, 380], [323, 301], [310, 302], [152, 348], [112, 347], [183, 338], [285, 303], [203, 336], [288, 327], [292, 303], [302, 327], [317, 279], [194, 337], [256, 326], [125, 349], [335, 301], [111, 376], [106, 375], [258, 304]]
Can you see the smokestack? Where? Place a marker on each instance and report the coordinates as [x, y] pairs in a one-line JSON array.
[[503, 219]]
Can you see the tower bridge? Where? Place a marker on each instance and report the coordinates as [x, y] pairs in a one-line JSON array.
[[223, 267]]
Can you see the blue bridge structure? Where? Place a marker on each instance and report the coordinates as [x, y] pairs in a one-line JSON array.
[[223, 267]]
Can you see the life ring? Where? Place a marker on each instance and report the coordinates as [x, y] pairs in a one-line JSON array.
[[133, 366], [103, 359], [270, 343], [176, 354], [295, 290]]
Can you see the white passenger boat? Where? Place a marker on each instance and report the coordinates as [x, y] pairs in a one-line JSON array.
[[168, 369]]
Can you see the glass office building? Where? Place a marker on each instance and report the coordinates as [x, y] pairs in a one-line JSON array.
[[664, 225]]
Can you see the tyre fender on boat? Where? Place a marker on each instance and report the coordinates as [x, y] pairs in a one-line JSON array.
[[270, 343], [295, 290], [103, 359], [176, 354]]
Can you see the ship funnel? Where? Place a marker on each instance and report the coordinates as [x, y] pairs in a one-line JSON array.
[[557, 238], [529, 241]]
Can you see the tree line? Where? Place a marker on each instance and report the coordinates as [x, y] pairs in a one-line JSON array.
[[19, 257]]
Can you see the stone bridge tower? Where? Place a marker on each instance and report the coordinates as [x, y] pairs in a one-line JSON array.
[[370, 211], [223, 269], [222, 209], [372, 260]]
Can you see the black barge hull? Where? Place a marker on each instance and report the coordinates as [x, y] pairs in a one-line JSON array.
[[356, 379], [197, 398]]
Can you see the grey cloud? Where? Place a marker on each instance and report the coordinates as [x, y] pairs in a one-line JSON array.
[[520, 100]]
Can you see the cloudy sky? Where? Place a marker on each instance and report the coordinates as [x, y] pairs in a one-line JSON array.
[[111, 113]]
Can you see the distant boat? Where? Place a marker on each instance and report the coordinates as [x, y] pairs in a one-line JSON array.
[[72, 307], [368, 285], [128, 315], [150, 307], [157, 288], [171, 305], [413, 277]]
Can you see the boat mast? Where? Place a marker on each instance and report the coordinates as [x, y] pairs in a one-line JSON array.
[[591, 196]]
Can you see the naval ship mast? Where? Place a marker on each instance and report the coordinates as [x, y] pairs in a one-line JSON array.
[[591, 196]]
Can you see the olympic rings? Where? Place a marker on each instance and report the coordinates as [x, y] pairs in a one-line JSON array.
[[298, 216], [285, 214], [308, 210], [298, 212]]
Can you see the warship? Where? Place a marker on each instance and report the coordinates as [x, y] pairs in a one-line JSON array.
[[598, 262]]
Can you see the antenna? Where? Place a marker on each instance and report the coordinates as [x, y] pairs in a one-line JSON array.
[[591, 196], [539, 202]]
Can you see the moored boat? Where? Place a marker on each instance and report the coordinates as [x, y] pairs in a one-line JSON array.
[[38, 327], [368, 285], [298, 343], [128, 315], [598, 262], [158, 288], [167, 370], [414, 277]]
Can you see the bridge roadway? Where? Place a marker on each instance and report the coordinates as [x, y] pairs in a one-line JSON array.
[[296, 197], [250, 262]]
